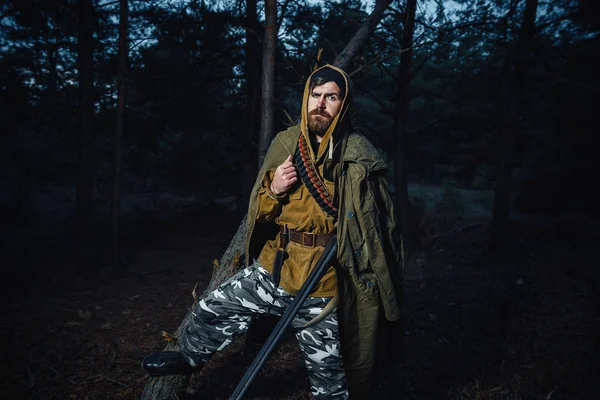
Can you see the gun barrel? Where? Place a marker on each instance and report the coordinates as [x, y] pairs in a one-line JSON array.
[[287, 318]]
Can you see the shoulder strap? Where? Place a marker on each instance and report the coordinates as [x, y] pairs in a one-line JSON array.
[[311, 178]]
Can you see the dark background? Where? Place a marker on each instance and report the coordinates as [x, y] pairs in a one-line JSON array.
[[521, 324]]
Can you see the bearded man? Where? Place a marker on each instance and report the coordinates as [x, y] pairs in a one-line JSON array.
[[319, 179]]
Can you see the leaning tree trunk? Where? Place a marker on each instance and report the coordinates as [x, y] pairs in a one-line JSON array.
[[513, 100], [86, 111], [116, 195], [360, 37], [171, 387]]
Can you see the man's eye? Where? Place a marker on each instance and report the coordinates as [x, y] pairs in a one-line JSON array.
[[333, 97], [316, 95]]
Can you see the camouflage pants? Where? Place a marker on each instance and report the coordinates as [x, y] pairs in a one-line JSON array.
[[227, 312]]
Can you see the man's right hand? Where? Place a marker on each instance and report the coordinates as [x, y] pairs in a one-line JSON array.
[[285, 176]]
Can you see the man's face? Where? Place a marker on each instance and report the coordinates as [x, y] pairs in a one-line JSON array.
[[324, 104]]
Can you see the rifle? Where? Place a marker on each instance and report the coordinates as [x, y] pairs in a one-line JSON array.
[[287, 318]]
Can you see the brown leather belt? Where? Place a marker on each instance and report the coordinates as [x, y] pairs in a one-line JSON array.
[[306, 239]]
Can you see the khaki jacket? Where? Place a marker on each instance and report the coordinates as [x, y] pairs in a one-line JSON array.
[[299, 211], [370, 270]]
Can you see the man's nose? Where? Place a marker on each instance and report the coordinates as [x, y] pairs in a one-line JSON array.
[[321, 103]]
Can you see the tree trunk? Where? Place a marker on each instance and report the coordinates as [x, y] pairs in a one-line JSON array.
[[86, 111], [252, 128], [268, 79], [171, 387], [116, 195], [400, 130], [360, 37], [513, 100]]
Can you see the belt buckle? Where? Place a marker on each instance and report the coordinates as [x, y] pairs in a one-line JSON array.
[[304, 241]]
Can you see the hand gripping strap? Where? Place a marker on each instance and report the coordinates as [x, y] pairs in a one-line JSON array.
[[313, 182]]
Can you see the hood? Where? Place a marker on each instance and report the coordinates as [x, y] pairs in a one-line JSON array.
[[341, 123]]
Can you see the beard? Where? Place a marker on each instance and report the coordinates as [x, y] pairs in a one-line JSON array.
[[319, 121]]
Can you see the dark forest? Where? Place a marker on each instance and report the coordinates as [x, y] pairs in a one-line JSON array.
[[131, 133]]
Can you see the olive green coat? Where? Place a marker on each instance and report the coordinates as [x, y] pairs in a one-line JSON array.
[[370, 273]]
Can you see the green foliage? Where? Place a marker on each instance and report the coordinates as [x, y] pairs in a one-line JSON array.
[[186, 88]]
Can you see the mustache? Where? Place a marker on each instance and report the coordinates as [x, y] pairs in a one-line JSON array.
[[318, 111]]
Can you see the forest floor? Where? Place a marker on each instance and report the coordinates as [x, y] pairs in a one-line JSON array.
[[525, 327]]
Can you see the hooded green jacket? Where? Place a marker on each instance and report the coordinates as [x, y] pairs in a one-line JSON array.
[[370, 270]]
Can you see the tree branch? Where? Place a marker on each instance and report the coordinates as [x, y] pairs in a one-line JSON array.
[[343, 59]]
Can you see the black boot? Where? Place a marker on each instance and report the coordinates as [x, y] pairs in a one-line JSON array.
[[167, 363]]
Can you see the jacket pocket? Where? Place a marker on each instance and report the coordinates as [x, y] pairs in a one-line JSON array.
[[366, 284]]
